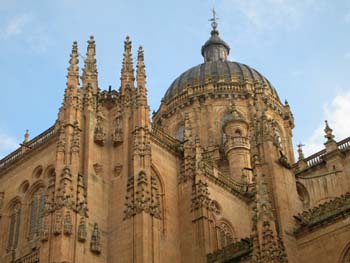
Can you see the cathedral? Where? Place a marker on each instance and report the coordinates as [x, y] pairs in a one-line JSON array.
[[209, 177]]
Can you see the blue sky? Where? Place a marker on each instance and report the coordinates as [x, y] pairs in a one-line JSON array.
[[301, 46]]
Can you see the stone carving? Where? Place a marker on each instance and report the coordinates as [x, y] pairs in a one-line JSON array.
[[95, 243], [98, 168], [200, 196], [130, 201], [82, 232], [75, 145], [234, 252], [117, 169], [155, 209], [65, 196], [45, 229], [57, 227], [61, 138], [142, 199], [99, 134], [117, 136], [67, 224], [323, 213], [81, 206], [270, 248], [88, 100]]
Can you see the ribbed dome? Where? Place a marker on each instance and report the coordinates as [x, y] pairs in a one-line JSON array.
[[213, 72]]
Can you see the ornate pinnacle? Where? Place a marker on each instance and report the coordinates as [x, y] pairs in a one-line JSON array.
[[26, 137], [329, 132], [127, 68], [73, 69], [300, 151], [141, 73], [90, 60]]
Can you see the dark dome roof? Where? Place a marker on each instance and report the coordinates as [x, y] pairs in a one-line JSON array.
[[212, 72], [215, 40]]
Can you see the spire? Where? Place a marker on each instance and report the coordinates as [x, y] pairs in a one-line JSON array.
[[73, 69], [127, 72], [141, 75], [90, 68], [141, 92], [215, 49]]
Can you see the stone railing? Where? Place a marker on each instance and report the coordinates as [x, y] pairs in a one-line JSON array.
[[29, 146], [165, 138], [315, 158], [234, 252], [33, 257], [197, 90], [236, 188], [338, 207], [236, 142], [344, 145]]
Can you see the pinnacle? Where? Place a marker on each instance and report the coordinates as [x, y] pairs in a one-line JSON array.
[[73, 69]]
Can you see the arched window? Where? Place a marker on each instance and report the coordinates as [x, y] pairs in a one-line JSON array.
[[225, 235], [15, 220], [37, 206], [180, 133], [238, 133], [158, 198]]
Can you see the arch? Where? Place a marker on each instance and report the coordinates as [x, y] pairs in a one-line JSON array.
[[24, 186], [49, 171], [36, 210], [161, 192], [225, 233], [37, 172], [303, 195], [12, 203], [39, 184], [345, 255], [180, 131], [238, 133], [215, 207], [14, 208]]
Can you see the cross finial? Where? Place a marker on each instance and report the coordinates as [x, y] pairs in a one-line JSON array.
[[214, 24]]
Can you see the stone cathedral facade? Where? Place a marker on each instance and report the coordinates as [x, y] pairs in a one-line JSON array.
[[211, 178]]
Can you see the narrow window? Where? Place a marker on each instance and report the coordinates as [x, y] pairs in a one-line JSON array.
[[36, 214], [15, 219]]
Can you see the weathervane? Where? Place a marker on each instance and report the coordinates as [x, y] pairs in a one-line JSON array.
[[214, 24]]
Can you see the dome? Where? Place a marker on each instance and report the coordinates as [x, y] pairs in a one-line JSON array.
[[215, 72], [216, 69]]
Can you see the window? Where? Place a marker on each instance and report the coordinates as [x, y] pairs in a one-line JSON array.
[[225, 235], [180, 133], [15, 219], [36, 214]]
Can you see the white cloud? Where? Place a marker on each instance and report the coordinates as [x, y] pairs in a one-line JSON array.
[[267, 14], [337, 113], [16, 25], [8, 143], [28, 29]]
